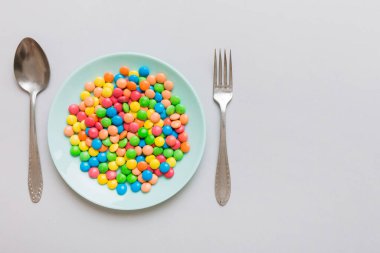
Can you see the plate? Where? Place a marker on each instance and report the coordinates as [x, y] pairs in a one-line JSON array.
[[68, 166]]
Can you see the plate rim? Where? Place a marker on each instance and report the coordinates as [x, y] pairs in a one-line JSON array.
[[118, 54]]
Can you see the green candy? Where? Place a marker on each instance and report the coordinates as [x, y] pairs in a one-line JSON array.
[[106, 122], [131, 178], [142, 115], [157, 151], [168, 152], [111, 156], [170, 110], [101, 112], [131, 153], [141, 79], [158, 87], [103, 167], [125, 170], [152, 103], [175, 100], [123, 143], [125, 107], [75, 151], [134, 141], [178, 155], [149, 139], [107, 142], [121, 178], [142, 132], [180, 109], [84, 156], [144, 101]]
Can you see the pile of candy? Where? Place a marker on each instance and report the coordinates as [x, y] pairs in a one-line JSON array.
[[128, 129]]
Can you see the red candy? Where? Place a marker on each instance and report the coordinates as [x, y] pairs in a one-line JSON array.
[[73, 109], [133, 127], [170, 173], [81, 116], [156, 130], [93, 132], [171, 140], [135, 95], [117, 92], [89, 122], [106, 102], [111, 174], [93, 172]]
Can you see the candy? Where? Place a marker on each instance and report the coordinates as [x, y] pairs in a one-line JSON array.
[[128, 128]]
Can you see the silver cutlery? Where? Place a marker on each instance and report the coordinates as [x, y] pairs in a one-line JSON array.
[[222, 95], [32, 73]]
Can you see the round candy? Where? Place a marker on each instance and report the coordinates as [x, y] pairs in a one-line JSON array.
[[93, 172], [145, 187], [102, 179], [147, 175], [75, 151], [144, 71], [96, 144], [121, 189], [73, 109], [136, 186], [85, 166], [170, 173]]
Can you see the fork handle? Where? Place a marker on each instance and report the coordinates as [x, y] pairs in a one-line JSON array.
[[34, 173], [222, 176]]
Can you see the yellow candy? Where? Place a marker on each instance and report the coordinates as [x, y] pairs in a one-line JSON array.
[[107, 92], [133, 72], [171, 161], [154, 164], [149, 158], [159, 141], [89, 110], [76, 127], [84, 94], [148, 124], [99, 81], [112, 184], [82, 125], [134, 106], [109, 85], [134, 114], [93, 152], [131, 164], [149, 130], [71, 120], [114, 147], [120, 161], [149, 112], [83, 146], [96, 101], [160, 123], [74, 140], [112, 165], [102, 179]]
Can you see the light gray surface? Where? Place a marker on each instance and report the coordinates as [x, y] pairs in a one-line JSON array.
[[303, 126]]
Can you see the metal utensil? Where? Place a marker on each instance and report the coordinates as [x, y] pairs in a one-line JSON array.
[[32, 73], [222, 95]]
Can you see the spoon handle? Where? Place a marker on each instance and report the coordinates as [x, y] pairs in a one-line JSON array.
[[34, 173]]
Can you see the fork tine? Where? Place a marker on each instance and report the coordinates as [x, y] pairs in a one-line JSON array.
[[220, 69], [225, 70], [215, 69], [230, 84]]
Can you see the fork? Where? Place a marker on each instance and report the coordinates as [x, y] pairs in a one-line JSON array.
[[222, 95]]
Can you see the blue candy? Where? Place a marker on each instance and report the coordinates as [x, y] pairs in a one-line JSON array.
[[165, 145], [93, 162], [159, 107], [174, 133], [96, 144], [136, 186], [85, 166], [144, 71], [121, 189], [111, 111], [142, 143], [164, 167], [120, 129], [133, 78], [102, 157], [140, 158], [147, 175], [87, 129], [158, 97], [117, 120]]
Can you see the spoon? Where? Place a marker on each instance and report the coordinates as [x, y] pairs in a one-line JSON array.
[[32, 73]]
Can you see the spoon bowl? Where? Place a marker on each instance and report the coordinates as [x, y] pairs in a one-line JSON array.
[[32, 73]]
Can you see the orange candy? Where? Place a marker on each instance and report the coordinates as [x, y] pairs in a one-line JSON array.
[[166, 94], [141, 180], [89, 86], [185, 147], [144, 85], [82, 135], [131, 86], [167, 121], [123, 135], [127, 93], [145, 187], [150, 93], [184, 119], [103, 148], [103, 134], [88, 142], [168, 85], [151, 79], [98, 92], [121, 83], [160, 78], [136, 172], [112, 130], [147, 150], [138, 150], [166, 102], [154, 179], [120, 152], [155, 117], [114, 139], [124, 70], [142, 165], [82, 106], [108, 77]]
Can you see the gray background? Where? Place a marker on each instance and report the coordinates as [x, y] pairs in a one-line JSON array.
[[303, 126]]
